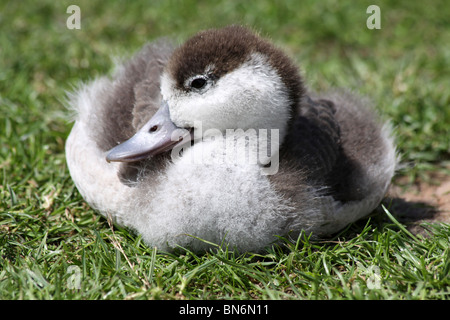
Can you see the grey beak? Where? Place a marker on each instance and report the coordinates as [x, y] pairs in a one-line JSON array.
[[159, 134]]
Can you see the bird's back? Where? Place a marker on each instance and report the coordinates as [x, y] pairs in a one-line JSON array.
[[133, 97]]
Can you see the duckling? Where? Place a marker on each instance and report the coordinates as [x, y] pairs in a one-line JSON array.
[[218, 141]]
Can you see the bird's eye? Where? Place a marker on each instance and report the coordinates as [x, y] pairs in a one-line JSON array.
[[198, 83]]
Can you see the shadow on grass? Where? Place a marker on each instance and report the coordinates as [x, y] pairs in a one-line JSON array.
[[412, 214]]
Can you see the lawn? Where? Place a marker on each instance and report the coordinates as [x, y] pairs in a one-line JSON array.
[[54, 246]]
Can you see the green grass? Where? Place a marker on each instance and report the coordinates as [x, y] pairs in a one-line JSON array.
[[50, 239]]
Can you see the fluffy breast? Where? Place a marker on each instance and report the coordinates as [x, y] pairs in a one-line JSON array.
[[209, 193]]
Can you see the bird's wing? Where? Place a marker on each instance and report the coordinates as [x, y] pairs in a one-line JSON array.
[[314, 138]]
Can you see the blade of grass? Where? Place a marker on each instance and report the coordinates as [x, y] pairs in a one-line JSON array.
[[399, 225]]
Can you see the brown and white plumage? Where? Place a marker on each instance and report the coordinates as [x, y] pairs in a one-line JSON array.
[[336, 159]]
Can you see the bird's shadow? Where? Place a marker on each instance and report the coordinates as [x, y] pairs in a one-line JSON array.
[[414, 215]]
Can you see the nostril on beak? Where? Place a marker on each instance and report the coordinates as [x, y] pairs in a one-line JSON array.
[[153, 129]]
